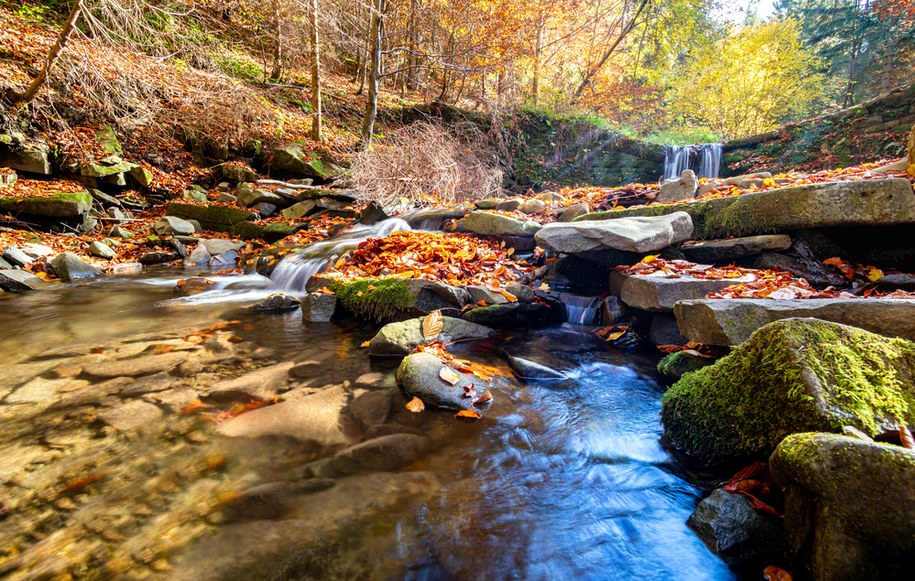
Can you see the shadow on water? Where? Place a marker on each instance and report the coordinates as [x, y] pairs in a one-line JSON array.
[[560, 480]]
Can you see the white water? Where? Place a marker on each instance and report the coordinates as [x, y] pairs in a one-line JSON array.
[[677, 159], [580, 310], [294, 271]]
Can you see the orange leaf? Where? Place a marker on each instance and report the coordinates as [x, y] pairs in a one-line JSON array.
[[773, 573], [469, 414], [484, 397], [415, 405], [432, 325]]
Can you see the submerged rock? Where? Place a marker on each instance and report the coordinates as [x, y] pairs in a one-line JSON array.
[[382, 454], [733, 529], [527, 369], [791, 376], [637, 234], [849, 506], [418, 376], [402, 337], [277, 303]]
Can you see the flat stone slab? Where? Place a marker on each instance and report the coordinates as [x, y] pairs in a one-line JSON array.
[[712, 251], [659, 293], [62, 205], [489, 224], [732, 321], [635, 234], [858, 203]]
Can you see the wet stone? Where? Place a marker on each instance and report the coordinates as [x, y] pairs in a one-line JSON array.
[[131, 416]]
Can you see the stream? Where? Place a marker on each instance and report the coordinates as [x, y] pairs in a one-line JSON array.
[[111, 467]]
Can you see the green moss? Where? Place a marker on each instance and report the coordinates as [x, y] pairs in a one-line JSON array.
[[675, 365], [374, 299], [791, 376]]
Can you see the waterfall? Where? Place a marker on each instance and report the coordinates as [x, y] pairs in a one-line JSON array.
[[680, 157], [294, 271], [710, 162], [580, 310]]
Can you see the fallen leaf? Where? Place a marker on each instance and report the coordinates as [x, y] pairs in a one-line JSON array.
[[905, 436], [432, 325], [773, 573], [468, 414], [415, 405], [484, 397], [470, 390], [874, 274], [449, 375]]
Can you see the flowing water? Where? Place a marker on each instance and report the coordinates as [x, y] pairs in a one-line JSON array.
[[115, 472], [704, 158], [580, 310]]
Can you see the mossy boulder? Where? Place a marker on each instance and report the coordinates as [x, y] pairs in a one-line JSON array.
[[35, 158], [793, 375], [396, 298], [547, 311], [419, 375], [859, 203], [108, 139], [849, 506], [675, 365], [219, 218], [59, 206], [293, 160]]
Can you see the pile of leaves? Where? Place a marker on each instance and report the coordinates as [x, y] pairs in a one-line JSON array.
[[680, 268], [457, 259]]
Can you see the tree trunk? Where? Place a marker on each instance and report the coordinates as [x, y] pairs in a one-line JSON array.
[[538, 49], [316, 112], [374, 76], [912, 149], [277, 72], [18, 99]]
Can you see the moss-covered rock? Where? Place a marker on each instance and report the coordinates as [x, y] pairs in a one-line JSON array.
[[396, 298], [794, 375], [676, 365], [292, 159], [849, 506], [861, 203], [62, 205], [219, 218]]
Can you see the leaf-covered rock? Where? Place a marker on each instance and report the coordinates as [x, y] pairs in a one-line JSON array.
[[401, 338]]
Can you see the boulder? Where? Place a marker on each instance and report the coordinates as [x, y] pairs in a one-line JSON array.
[[675, 365], [262, 384], [854, 203], [194, 195], [479, 293], [17, 281], [264, 210], [237, 173], [398, 339], [383, 454], [732, 321], [717, 251], [60, 206], [247, 196], [101, 250], [527, 369], [217, 217], [276, 303], [171, 225], [142, 176], [292, 159], [489, 224], [318, 307], [299, 210], [31, 159], [17, 257], [547, 311], [395, 298], [664, 330], [418, 376], [734, 530], [217, 246], [629, 235], [658, 292], [70, 267], [682, 188], [849, 506], [532, 206], [574, 211], [791, 376]]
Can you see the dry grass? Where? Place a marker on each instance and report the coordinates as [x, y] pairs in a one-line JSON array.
[[428, 164]]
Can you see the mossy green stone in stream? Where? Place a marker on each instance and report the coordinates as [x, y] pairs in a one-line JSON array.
[[793, 375], [676, 365], [385, 299]]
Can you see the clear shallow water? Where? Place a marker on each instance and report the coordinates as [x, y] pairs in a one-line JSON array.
[[560, 480]]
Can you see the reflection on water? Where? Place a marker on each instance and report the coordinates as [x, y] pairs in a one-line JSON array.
[[560, 480]]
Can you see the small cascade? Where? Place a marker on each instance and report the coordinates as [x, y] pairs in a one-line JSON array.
[[580, 310], [294, 271], [710, 160], [705, 157]]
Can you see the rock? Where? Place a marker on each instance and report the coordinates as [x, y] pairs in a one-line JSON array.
[[383, 454], [142, 176], [70, 267], [292, 159], [527, 369], [158, 257], [60, 206], [170, 225], [629, 235], [732, 321], [17, 281], [276, 303], [433, 218], [418, 376], [574, 211], [532, 206], [310, 418], [664, 330], [8, 177], [656, 292], [396, 298], [31, 159], [487, 204], [17, 257], [263, 209], [482, 294], [734, 530], [733, 181], [717, 251], [675, 365], [134, 366], [215, 217], [217, 246], [299, 210], [855, 203], [401, 338], [101, 250], [489, 224], [37, 250], [318, 307], [371, 408], [262, 384], [132, 416], [118, 232], [524, 293], [237, 173], [193, 286], [682, 188], [513, 315], [791, 376], [198, 256], [612, 311], [899, 281], [815, 272], [373, 213], [247, 196], [104, 199], [226, 197], [849, 506]]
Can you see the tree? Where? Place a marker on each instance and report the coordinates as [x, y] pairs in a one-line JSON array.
[[376, 31], [751, 81], [316, 112]]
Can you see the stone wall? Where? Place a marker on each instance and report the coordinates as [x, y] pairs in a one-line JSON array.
[[870, 131]]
